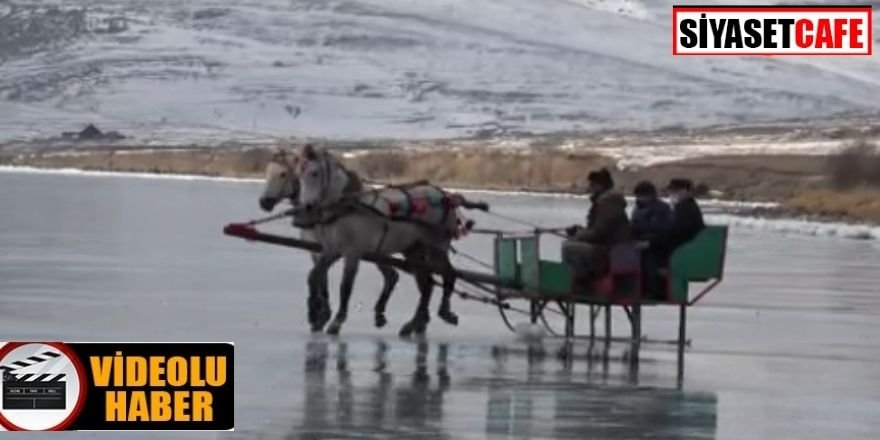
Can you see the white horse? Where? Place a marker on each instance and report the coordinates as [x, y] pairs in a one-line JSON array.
[[352, 225], [282, 182]]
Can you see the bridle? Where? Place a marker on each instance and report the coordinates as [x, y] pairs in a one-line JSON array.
[[290, 179], [327, 165], [323, 211]]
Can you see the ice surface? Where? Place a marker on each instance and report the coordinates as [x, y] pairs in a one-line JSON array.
[[784, 348]]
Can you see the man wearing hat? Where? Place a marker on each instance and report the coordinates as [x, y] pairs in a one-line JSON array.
[[651, 215], [687, 222], [650, 219], [586, 250]]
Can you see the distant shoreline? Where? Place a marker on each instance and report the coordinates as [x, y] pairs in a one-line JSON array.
[[794, 182], [751, 215], [727, 205]]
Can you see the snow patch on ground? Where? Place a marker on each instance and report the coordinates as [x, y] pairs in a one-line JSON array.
[[799, 227], [202, 70], [647, 155]]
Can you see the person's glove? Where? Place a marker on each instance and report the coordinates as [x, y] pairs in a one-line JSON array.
[[572, 230]]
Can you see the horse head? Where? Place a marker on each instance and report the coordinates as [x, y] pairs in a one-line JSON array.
[[282, 180], [322, 178]]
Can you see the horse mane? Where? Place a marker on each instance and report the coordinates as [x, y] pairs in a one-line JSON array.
[[279, 157], [283, 157], [355, 184]]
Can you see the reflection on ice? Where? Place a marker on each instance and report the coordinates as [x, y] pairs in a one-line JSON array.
[[340, 406], [348, 396]]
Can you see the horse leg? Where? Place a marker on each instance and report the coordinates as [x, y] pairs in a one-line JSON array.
[[423, 316], [313, 300], [448, 275], [419, 322], [391, 277], [319, 307], [348, 275]]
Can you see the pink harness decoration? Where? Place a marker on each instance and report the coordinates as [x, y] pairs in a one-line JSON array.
[[421, 203], [461, 229]]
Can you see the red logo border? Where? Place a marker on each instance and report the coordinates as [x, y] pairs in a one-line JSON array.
[[81, 375], [766, 8]]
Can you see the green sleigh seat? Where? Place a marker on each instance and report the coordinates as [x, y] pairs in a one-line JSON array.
[[701, 260]]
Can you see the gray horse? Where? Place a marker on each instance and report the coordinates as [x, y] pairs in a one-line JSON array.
[[282, 182], [352, 225]]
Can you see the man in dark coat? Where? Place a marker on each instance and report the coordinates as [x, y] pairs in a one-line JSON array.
[[687, 222], [651, 218], [586, 250]]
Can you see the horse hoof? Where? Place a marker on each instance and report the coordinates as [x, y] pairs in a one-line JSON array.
[[449, 317], [319, 316], [406, 330], [334, 328], [319, 324], [421, 328], [380, 321]]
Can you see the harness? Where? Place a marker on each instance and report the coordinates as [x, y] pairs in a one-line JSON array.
[[371, 202], [406, 210]]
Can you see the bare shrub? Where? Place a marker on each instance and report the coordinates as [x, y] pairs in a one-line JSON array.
[[382, 165], [701, 190], [254, 160], [856, 164]]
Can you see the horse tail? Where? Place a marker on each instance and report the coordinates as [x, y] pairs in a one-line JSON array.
[[463, 226], [460, 200]]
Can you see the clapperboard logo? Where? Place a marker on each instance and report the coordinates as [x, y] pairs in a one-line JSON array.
[[36, 377], [33, 391]]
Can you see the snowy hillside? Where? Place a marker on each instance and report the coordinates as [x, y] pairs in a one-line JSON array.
[[196, 69]]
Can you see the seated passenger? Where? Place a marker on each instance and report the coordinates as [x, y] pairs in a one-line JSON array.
[[650, 218], [586, 250], [651, 215], [687, 222]]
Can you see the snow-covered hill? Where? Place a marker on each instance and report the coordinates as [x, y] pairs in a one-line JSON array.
[[181, 70]]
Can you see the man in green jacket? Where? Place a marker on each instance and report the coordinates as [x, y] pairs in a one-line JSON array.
[[586, 249]]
